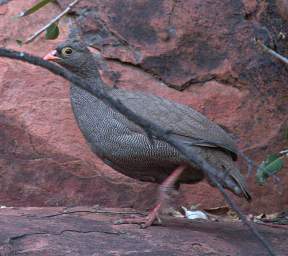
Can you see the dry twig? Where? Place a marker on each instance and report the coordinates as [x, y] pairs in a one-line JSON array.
[[272, 52], [57, 18]]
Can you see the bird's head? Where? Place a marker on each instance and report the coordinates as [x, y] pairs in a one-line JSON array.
[[73, 55]]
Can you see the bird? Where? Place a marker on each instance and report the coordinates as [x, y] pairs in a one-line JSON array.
[[125, 146]]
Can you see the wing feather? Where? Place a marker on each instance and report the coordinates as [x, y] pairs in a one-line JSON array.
[[185, 123]]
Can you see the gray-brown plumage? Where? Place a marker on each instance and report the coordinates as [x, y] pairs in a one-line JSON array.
[[124, 146]]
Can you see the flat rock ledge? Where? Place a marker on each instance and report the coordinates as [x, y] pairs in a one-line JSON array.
[[89, 231]]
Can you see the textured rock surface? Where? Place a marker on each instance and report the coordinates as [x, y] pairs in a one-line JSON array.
[[51, 231], [196, 52], [283, 8]]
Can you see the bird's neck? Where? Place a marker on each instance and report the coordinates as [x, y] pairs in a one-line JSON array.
[[92, 76], [95, 80]]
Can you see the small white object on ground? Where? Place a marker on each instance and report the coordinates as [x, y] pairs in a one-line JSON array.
[[194, 214]]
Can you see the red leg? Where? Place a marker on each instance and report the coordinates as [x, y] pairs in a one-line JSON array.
[[164, 190]]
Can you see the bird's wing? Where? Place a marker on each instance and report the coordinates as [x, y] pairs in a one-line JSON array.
[[183, 121]]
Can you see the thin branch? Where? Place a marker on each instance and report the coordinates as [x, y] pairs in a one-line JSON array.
[[272, 52], [249, 161], [215, 176], [57, 18], [87, 211]]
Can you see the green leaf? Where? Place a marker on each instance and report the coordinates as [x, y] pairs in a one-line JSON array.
[[52, 32], [269, 167], [35, 8]]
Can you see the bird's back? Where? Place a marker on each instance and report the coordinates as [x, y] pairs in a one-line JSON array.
[[187, 124]]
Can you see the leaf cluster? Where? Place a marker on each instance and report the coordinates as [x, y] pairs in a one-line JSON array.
[[52, 31]]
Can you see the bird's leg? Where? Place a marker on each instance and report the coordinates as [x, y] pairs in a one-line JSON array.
[[164, 190]]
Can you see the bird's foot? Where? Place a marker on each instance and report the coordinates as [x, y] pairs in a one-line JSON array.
[[143, 221], [165, 188]]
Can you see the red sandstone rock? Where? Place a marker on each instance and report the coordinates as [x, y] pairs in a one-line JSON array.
[[83, 231], [283, 8], [44, 158], [205, 48], [250, 6]]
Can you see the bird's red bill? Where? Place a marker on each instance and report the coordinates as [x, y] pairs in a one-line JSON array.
[[51, 56]]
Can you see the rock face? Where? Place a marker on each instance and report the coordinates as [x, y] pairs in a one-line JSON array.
[[88, 231], [196, 52]]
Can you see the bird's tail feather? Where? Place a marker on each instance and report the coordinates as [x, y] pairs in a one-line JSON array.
[[233, 179], [239, 180]]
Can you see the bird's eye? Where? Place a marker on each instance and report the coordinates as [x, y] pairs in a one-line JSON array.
[[67, 51]]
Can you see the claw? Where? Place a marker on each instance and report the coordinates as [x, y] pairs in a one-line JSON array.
[[143, 221], [153, 216]]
